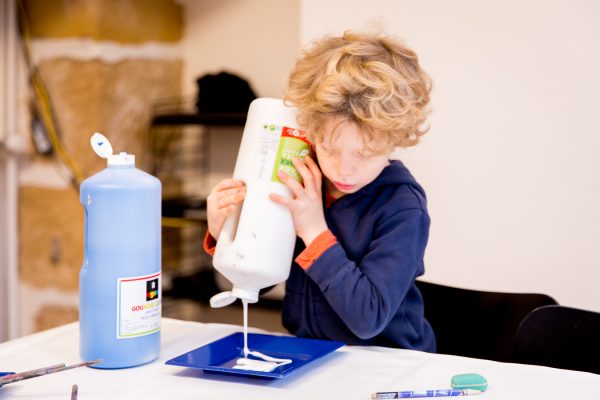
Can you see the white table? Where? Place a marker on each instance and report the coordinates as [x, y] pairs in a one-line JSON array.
[[349, 373]]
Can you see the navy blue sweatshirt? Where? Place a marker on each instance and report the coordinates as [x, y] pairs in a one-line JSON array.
[[362, 289]]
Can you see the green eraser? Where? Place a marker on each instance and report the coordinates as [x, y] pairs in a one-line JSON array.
[[469, 381]]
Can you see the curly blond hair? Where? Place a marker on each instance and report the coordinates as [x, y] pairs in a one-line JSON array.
[[373, 80]]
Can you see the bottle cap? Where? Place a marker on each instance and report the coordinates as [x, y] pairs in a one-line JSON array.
[[222, 299], [251, 296], [101, 145], [226, 298], [103, 148], [121, 159]]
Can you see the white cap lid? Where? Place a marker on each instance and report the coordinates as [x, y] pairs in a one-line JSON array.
[[226, 298], [222, 299], [103, 148], [101, 145]]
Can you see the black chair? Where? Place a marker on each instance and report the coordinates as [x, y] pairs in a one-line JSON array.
[[477, 324], [561, 337]]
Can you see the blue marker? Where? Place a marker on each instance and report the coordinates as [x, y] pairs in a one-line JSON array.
[[410, 394]]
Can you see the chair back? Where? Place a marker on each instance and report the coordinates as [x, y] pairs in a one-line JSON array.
[[561, 337], [475, 323]]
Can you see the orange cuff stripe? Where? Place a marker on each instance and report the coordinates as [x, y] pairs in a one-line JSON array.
[[318, 246], [210, 244]]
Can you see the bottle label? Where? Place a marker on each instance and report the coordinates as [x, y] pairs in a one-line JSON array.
[[138, 306], [278, 145], [292, 144]]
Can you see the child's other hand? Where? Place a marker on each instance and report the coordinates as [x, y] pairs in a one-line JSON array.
[[306, 204], [222, 202]]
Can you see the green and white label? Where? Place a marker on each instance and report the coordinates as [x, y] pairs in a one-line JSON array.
[[292, 143]]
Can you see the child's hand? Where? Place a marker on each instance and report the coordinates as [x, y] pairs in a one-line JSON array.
[[306, 205], [221, 203]]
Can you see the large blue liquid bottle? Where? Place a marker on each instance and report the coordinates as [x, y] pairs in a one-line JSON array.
[[120, 279]]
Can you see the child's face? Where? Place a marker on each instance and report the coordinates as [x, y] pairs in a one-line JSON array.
[[344, 159]]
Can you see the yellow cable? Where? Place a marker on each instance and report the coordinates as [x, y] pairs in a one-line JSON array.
[[44, 103], [46, 114]]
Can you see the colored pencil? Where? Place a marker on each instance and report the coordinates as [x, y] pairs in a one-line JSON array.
[[5, 380]]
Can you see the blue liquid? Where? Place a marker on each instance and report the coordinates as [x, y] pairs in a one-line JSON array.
[[122, 240]]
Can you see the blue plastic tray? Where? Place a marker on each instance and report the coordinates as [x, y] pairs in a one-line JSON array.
[[221, 355]]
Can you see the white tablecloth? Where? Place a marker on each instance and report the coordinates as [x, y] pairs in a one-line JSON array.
[[349, 373]]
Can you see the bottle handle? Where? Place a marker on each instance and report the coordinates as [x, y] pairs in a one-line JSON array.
[[229, 230]]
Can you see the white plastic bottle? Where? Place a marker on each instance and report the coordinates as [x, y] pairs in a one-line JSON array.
[[119, 282], [256, 246]]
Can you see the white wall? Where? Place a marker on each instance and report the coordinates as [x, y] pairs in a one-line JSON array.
[[512, 161], [258, 40]]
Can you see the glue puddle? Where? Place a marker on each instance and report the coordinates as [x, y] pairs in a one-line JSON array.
[[265, 363]]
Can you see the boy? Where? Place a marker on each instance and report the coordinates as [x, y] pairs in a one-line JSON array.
[[359, 98]]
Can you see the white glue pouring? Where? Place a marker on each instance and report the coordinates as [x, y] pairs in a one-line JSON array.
[[266, 363], [256, 245]]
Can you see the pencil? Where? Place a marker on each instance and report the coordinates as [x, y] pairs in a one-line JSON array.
[[425, 393], [21, 376], [5, 379]]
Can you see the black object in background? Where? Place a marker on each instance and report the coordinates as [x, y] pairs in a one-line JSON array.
[[561, 337], [223, 93], [478, 324]]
